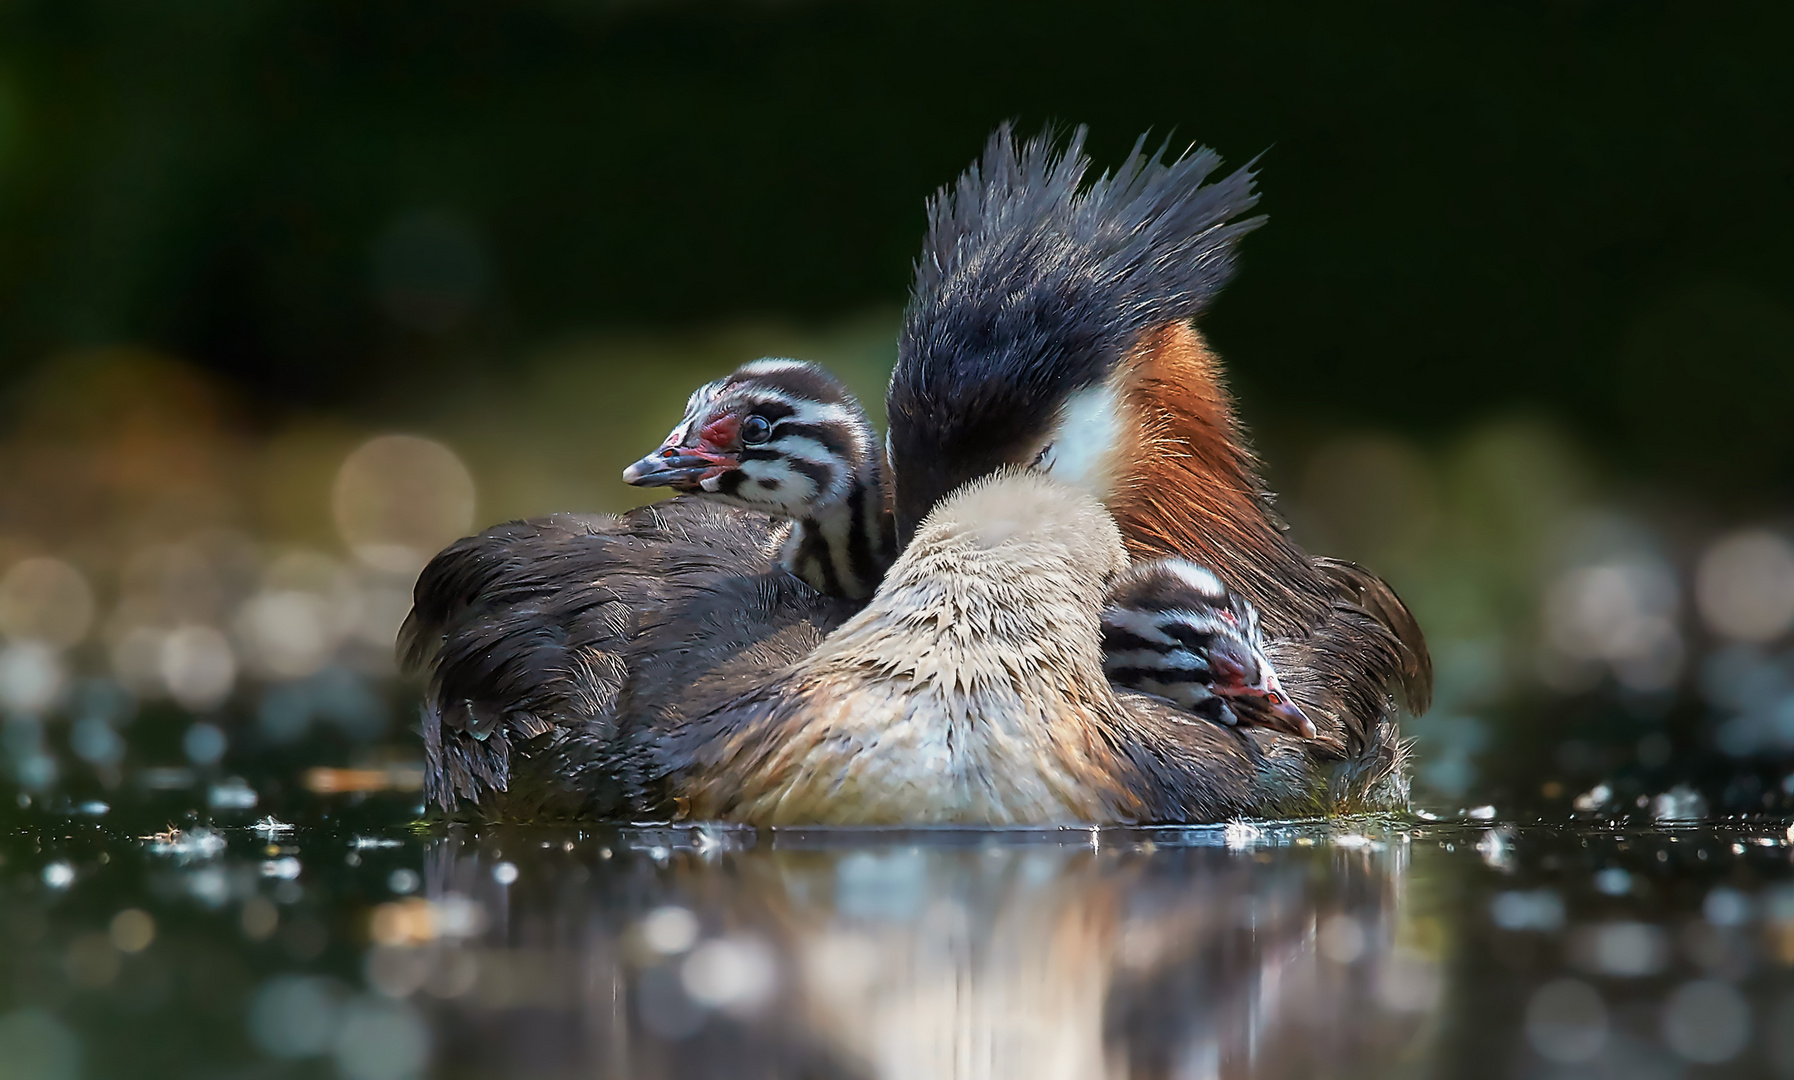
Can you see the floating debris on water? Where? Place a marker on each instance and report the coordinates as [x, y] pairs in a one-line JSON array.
[[186, 846], [271, 827], [1576, 909]]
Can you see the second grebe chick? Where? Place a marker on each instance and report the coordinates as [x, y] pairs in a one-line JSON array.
[[1172, 629]]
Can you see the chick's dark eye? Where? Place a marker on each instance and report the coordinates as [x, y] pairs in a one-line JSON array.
[[755, 430]]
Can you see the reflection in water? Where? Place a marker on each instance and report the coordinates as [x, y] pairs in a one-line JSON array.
[[325, 937], [696, 952]]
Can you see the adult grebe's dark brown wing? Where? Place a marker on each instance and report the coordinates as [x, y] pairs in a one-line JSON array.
[[546, 640]]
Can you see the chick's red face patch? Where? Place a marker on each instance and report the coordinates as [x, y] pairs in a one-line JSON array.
[[721, 432]]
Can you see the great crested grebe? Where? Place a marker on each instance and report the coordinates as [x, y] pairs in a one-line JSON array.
[[1050, 325], [547, 654], [1048, 329]]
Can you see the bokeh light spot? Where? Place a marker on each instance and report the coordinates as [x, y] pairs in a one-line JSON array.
[[92, 961], [398, 499], [1341, 939], [1621, 613], [1744, 586], [734, 974], [198, 666], [669, 930], [132, 930], [45, 599], [31, 677], [1624, 948], [1566, 1021], [294, 1016], [380, 1040], [204, 744], [35, 1046], [259, 918], [1706, 1021], [287, 632]]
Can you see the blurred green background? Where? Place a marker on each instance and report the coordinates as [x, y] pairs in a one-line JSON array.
[[292, 294]]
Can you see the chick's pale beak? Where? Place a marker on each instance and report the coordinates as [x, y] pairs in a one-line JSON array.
[[681, 467]]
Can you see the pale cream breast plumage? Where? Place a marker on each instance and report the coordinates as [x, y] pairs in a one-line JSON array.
[[970, 690]]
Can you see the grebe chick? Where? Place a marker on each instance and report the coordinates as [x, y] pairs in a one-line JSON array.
[[1172, 629], [549, 640], [785, 437]]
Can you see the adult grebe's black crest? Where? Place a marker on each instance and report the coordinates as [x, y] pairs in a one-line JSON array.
[[1032, 287]]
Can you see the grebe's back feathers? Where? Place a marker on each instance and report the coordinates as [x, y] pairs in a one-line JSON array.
[[548, 639]]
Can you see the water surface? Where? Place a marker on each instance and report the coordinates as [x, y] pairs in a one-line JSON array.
[[352, 942]]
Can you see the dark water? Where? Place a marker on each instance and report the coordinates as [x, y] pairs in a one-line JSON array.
[[354, 944]]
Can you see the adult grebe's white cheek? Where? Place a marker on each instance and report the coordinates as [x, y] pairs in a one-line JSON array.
[[1081, 451]]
